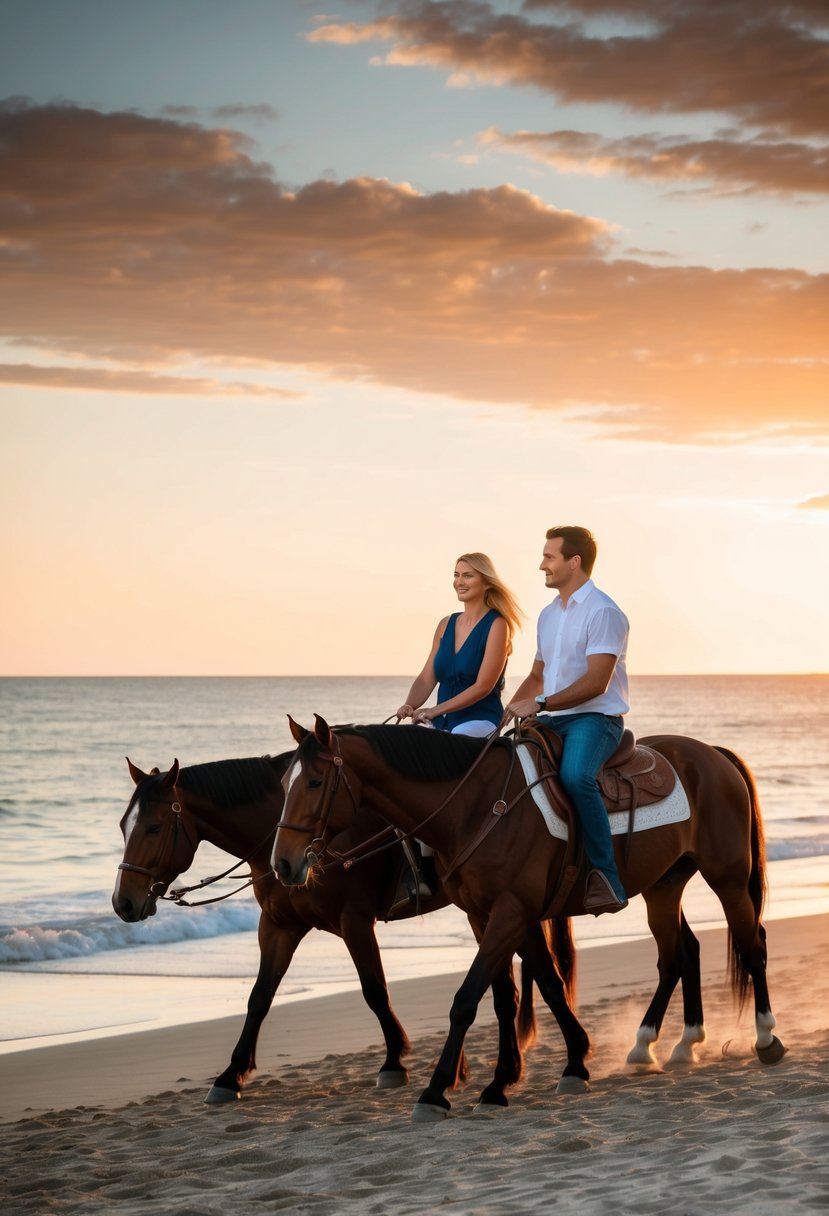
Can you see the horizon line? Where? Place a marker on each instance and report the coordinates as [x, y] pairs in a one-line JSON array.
[[669, 675]]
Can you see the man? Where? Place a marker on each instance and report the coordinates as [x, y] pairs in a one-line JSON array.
[[578, 686]]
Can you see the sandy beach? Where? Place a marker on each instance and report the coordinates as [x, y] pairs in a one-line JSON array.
[[120, 1123]]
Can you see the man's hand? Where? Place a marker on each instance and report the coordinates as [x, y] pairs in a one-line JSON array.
[[523, 709]]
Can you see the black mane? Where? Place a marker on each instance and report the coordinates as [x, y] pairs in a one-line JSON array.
[[425, 755], [225, 783]]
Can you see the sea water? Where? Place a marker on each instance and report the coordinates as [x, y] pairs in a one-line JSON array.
[[69, 968]]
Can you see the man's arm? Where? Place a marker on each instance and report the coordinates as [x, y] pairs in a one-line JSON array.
[[592, 684], [532, 686]]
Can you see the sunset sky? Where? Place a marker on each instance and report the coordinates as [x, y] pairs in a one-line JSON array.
[[299, 304]]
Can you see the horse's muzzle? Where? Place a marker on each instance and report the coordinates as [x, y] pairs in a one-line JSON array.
[[292, 873], [130, 910]]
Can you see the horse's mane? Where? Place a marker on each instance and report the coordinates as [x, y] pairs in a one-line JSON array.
[[225, 783], [427, 755]]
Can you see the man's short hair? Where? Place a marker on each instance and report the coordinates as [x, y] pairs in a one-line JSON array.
[[576, 542]]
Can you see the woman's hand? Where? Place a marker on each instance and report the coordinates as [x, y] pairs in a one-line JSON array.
[[421, 716], [406, 711]]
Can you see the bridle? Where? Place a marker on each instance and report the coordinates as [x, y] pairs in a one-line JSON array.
[[364, 850], [316, 850], [158, 885], [176, 895]]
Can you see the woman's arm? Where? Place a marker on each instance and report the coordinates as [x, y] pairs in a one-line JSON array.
[[422, 687], [489, 673]]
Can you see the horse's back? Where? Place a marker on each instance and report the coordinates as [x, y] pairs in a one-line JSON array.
[[702, 763], [683, 747]]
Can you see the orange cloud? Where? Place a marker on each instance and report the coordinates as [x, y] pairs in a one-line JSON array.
[[763, 63], [821, 503], [146, 242], [30, 375], [719, 165]]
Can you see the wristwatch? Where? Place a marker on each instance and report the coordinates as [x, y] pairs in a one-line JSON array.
[[541, 701]]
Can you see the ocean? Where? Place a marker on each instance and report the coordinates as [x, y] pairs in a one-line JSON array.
[[69, 969]]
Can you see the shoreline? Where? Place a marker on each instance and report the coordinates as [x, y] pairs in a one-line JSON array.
[[126, 1067]]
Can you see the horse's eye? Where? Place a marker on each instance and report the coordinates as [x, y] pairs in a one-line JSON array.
[[314, 784], [153, 829]]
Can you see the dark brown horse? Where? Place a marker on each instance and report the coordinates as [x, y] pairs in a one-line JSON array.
[[235, 804], [506, 883]]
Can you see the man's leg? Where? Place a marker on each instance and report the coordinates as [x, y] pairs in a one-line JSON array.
[[589, 740]]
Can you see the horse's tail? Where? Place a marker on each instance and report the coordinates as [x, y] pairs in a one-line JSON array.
[[558, 934], [738, 972]]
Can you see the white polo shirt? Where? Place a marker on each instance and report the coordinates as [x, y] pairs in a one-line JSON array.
[[590, 624]]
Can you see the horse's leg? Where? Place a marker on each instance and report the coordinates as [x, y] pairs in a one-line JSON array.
[[742, 902], [504, 931], [678, 959], [508, 1067], [535, 949], [359, 937], [277, 946], [693, 1031], [748, 964]]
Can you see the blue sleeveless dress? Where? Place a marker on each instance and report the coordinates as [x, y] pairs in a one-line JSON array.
[[457, 672]]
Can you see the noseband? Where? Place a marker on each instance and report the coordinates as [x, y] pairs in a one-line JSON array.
[[317, 848]]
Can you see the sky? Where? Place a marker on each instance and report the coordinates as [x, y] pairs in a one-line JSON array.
[[298, 305]]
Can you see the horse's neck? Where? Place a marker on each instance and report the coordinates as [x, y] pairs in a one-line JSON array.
[[409, 804], [237, 830]]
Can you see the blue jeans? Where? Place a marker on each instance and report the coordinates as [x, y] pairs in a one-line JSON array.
[[589, 740]]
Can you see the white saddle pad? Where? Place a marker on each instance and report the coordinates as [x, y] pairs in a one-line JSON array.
[[672, 809]]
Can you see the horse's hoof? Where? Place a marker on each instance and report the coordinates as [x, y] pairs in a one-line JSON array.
[[423, 1112], [572, 1085], [392, 1078], [216, 1095], [682, 1057], [773, 1053], [642, 1051], [493, 1097], [642, 1055]]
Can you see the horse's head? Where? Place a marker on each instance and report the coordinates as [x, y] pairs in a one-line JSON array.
[[320, 800], [156, 845]]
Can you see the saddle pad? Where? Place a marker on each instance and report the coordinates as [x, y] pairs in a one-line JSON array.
[[672, 809]]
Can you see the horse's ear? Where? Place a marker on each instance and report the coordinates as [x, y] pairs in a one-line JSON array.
[[170, 778], [322, 731], [135, 771], [299, 732]]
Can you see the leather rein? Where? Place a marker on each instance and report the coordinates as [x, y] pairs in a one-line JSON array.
[[176, 895], [389, 835]]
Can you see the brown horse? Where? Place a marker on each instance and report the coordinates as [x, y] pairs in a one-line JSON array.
[[506, 882], [235, 804]]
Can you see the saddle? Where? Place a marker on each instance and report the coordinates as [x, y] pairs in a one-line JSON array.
[[633, 776]]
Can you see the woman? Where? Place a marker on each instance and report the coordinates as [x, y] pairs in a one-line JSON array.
[[467, 661], [469, 654]]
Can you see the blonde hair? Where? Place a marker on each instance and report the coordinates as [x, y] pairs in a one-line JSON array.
[[496, 594]]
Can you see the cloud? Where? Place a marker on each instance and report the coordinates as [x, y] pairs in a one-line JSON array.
[[30, 375], [240, 110], [149, 243], [821, 503], [721, 165], [763, 63]]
